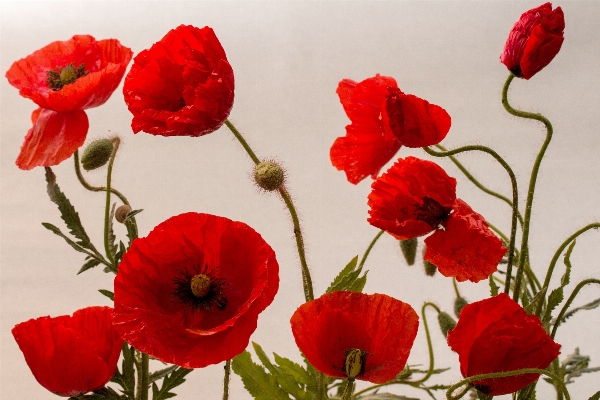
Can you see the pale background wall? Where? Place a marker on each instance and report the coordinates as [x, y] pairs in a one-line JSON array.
[[288, 58]]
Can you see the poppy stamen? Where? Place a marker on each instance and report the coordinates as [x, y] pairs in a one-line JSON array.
[[66, 75], [202, 290]]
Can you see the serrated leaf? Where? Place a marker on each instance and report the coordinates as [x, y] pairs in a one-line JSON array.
[[131, 214], [108, 294], [260, 384], [264, 359], [161, 373], [589, 306], [289, 385], [349, 278], [170, 382], [119, 254], [67, 211], [555, 298], [291, 368], [529, 308], [564, 281], [91, 263], [112, 246], [493, 287], [126, 378], [338, 281], [57, 232]]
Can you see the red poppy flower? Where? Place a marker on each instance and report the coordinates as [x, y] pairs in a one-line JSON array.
[[415, 197], [378, 329], [65, 78], [383, 119], [71, 355], [534, 41], [181, 86], [190, 292], [497, 335]]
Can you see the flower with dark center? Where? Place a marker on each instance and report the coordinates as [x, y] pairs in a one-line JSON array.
[[66, 75], [191, 291]]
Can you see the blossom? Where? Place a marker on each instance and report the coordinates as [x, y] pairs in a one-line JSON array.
[[71, 355], [383, 119], [181, 86], [415, 197], [63, 79], [497, 335], [534, 41], [190, 292], [377, 329]]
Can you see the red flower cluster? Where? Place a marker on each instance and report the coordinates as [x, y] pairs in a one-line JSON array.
[[181, 86], [497, 335], [65, 78], [377, 330], [415, 197], [71, 356], [534, 41], [190, 292], [383, 119]]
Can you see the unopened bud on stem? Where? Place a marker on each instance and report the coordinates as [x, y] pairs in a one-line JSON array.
[[96, 154], [121, 213], [269, 175]]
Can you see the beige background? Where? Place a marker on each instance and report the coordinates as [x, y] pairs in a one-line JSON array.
[[288, 58]]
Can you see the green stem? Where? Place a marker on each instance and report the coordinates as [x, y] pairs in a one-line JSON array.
[[109, 254], [348, 390], [455, 287], [226, 379], [429, 345], [144, 377], [479, 184], [563, 311], [557, 254], [242, 141], [375, 239], [467, 381], [534, 173], [515, 201]]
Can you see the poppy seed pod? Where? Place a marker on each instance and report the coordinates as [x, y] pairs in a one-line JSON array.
[[96, 154], [409, 250], [447, 323], [269, 175], [121, 213], [459, 304]]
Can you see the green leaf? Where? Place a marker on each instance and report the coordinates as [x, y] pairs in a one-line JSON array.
[[106, 393], [384, 396], [67, 211], [112, 246], [595, 396], [530, 307], [555, 298], [262, 356], [108, 294], [90, 263], [564, 281], [589, 306], [131, 214], [161, 373], [291, 368], [349, 278], [359, 284], [57, 231], [126, 379], [170, 382], [338, 281], [260, 384], [493, 287], [119, 254]]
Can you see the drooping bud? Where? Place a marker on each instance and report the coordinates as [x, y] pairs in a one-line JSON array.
[[409, 250], [96, 154], [121, 213], [354, 363], [269, 175], [200, 285], [430, 269], [447, 323], [459, 304]]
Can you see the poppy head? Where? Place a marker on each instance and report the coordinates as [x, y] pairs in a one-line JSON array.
[[71, 355], [497, 335], [181, 86], [190, 292], [383, 119], [356, 336], [534, 41]]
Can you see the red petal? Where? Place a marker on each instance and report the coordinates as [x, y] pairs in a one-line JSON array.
[[53, 138], [466, 248], [324, 329], [397, 194]]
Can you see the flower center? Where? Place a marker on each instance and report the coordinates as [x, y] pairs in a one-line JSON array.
[[202, 290], [393, 107], [432, 212], [354, 363], [66, 75]]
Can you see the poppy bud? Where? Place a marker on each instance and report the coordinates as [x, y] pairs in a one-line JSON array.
[[269, 175], [96, 154], [447, 323], [430, 269], [409, 250], [121, 213], [459, 303]]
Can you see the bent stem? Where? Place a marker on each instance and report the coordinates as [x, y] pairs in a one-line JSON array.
[[375, 239], [226, 379], [532, 180], [515, 201], [563, 311], [429, 345]]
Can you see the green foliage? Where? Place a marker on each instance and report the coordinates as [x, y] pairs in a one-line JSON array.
[[574, 366], [530, 304], [595, 396], [107, 293], [384, 396], [105, 393], [493, 287], [112, 246], [126, 377], [589, 306], [171, 381], [90, 262], [259, 383], [161, 373], [349, 278], [557, 295]]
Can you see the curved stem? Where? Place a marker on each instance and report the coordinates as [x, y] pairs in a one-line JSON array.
[[515, 201], [563, 311], [226, 379], [532, 180], [557, 254], [242, 141], [109, 254], [429, 345], [375, 239], [471, 379], [455, 287]]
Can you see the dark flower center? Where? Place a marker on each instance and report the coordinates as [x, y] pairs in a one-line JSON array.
[[432, 212], [516, 70], [200, 291], [66, 75], [354, 363], [485, 389]]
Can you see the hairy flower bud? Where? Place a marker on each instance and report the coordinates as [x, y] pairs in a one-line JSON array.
[[459, 303], [121, 213], [430, 269], [96, 154], [447, 323], [409, 250], [269, 175]]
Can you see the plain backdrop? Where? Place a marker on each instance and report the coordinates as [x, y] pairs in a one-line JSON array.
[[288, 58]]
